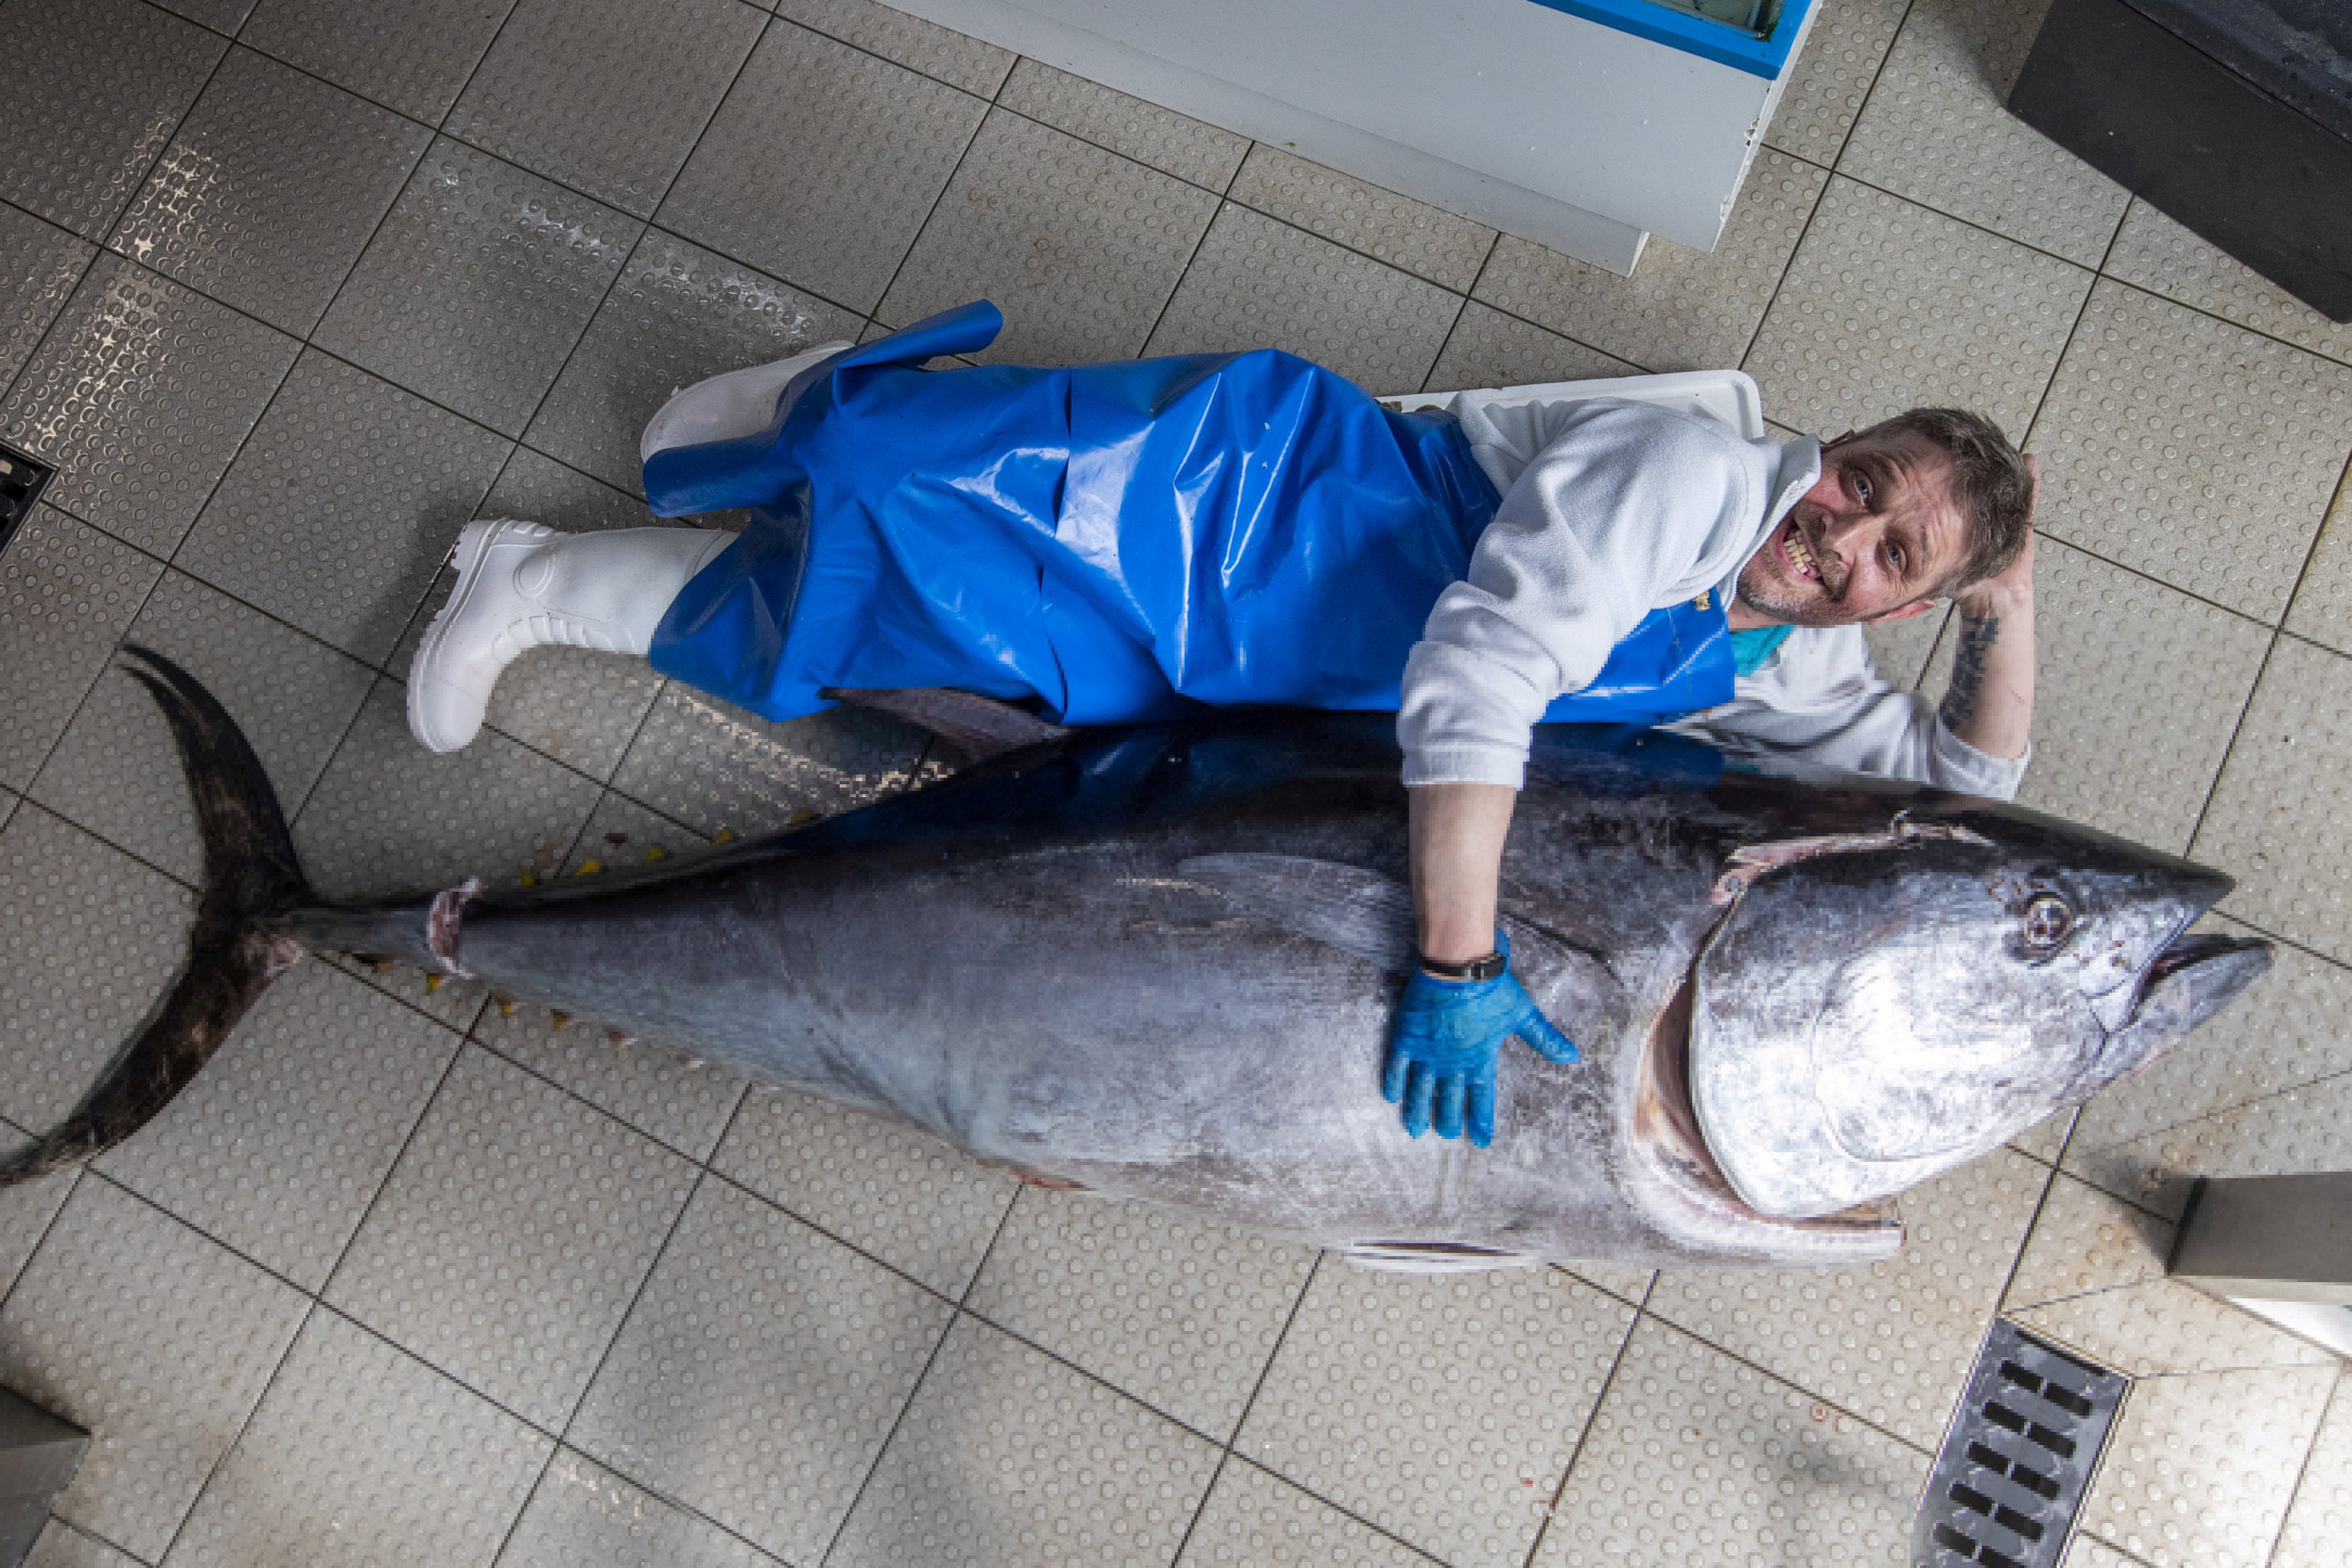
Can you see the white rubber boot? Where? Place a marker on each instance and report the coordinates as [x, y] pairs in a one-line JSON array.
[[520, 586], [739, 403]]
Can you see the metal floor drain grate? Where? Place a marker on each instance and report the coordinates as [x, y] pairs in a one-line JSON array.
[[22, 479], [2018, 1459]]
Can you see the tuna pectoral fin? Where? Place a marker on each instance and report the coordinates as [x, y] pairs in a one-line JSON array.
[[250, 877], [981, 727], [1370, 916]]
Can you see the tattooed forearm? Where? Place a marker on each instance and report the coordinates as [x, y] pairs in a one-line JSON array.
[[1977, 635]]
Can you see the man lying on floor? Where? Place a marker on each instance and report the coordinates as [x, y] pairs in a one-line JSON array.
[[1123, 542]]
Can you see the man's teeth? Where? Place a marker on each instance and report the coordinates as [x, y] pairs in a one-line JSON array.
[[1801, 557]]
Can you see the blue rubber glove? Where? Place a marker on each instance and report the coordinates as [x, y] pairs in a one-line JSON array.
[[1443, 1047]]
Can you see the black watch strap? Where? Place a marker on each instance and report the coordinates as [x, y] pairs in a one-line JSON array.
[[1485, 968]]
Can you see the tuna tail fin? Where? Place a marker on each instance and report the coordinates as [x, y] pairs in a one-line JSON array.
[[251, 879]]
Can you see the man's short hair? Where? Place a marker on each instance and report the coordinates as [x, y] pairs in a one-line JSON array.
[[1989, 483]]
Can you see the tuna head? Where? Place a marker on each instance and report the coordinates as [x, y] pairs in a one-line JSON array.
[[1865, 1018]]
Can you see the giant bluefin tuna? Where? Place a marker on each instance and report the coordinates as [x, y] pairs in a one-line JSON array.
[[1158, 963]]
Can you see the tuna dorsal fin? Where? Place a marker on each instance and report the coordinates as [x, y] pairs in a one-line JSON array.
[[980, 726], [1370, 915]]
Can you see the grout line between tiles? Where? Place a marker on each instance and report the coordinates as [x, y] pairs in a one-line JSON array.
[[87, 1533], [1756, 333], [309, 1309], [1470, 296], [2302, 1472], [1584, 1434], [873, 317], [2343, 480], [1199, 244]]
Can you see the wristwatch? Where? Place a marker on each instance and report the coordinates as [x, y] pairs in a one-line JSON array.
[[1485, 968]]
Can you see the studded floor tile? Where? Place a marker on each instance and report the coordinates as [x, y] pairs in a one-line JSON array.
[[2302, 1130], [389, 816], [582, 1513], [1889, 306], [343, 501], [1695, 1458], [1079, 247], [2159, 1329], [1682, 309], [360, 1455], [2090, 1552], [1892, 1342], [1083, 1476], [223, 17], [2191, 449], [26, 1211], [1171, 142], [281, 1143], [2319, 1521], [2046, 1139], [67, 593], [678, 314], [539, 488], [1420, 238], [925, 46], [1488, 348], [94, 941], [1833, 76], [117, 770], [62, 1546], [1628, 1285], [1899, 650], [821, 164], [477, 284], [2085, 1240], [414, 58], [1258, 283], [155, 1340], [1443, 1409], [511, 1238], [715, 767], [140, 395], [1937, 130], [99, 86], [39, 264], [605, 96], [760, 1374], [271, 190], [2159, 255], [2266, 827], [1253, 1517], [2280, 1034], [1181, 1313], [905, 1198], [2200, 1471], [2322, 610], [2139, 689]]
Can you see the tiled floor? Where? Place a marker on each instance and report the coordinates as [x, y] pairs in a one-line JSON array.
[[293, 288]]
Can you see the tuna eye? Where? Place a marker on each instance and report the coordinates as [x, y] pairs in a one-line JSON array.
[[2047, 921]]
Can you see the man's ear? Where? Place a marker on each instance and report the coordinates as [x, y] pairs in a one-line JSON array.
[[1915, 607]]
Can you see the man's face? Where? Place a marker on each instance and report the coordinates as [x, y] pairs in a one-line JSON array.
[[1877, 532]]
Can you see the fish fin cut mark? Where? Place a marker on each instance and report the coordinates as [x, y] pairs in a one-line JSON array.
[[1749, 861], [979, 727], [236, 949], [1370, 916]]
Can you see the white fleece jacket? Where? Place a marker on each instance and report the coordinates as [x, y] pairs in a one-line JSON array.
[[1612, 510]]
